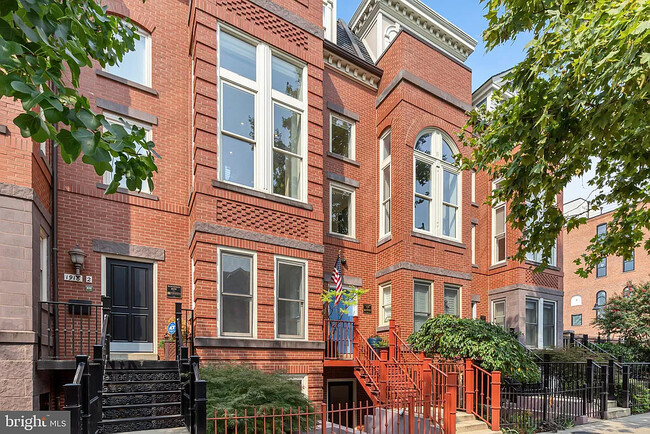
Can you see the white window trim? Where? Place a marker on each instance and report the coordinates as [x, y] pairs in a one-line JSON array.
[[44, 266], [147, 56], [114, 118], [473, 244], [474, 309], [353, 135], [540, 320], [383, 163], [294, 261], [505, 229], [265, 98], [438, 167], [329, 20], [473, 186], [382, 287], [460, 297], [253, 256], [493, 317], [351, 213], [304, 381], [431, 300]]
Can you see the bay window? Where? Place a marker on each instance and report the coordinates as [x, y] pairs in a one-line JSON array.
[[262, 123], [421, 303], [541, 334], [436, 186], [452, 300], [341, 210], [291, 294], [385, 184], [499, 313]]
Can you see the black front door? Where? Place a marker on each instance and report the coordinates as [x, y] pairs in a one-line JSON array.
[[130, 286]]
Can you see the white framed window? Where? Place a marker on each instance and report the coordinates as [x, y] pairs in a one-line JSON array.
[[537, 257], [452, 300], [498, 230], [385, 296], [437, 186], [342, 136], [576, 300], [290, 298], [300, 380], [385, 184], [236, 282], [499, 313], [473, 186], [475, 310], [44, 266], [541, 334], [135, 65], [127, 123], [342, 210], [422, 303], [329, 20], [473, 241], [628, 265], [262, 117]]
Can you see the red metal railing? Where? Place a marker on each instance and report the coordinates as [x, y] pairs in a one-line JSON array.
[[339, 338], [406, 416], [367, 358], [483, 394]]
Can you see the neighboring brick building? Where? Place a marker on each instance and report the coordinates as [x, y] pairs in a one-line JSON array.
[[286, 137], [584, 296]]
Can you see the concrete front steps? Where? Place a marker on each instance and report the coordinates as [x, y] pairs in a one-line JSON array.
[[468, 423], [614, 412]]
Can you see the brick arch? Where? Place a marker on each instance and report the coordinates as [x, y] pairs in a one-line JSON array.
[[421, 123], [118, 8]]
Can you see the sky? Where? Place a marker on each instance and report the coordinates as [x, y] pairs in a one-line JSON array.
[[468, 16]]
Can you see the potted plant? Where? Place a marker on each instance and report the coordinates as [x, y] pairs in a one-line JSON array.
[[168, 342], [374, 340], [382, 344]]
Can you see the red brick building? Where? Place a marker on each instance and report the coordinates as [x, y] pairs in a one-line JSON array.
[[287, 137], [585, 296]]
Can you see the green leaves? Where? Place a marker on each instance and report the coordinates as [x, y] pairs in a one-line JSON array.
[[578, 103], [43, 46]]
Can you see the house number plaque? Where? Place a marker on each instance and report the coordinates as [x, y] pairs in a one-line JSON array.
[[367, 308], [173, 291]]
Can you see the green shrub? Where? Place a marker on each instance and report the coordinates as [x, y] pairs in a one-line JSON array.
[[572, 354], [498, 350], [241, 388]]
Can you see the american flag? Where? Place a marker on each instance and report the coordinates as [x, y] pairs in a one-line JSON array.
[[337, 279]]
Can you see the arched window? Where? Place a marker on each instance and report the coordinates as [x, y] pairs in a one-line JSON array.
[[576, 300], [601, 298], [437, 185]]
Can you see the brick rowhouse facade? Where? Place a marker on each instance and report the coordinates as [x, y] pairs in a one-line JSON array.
[[369, 73], [583, 295]]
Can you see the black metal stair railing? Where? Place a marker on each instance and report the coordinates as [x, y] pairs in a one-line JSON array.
[[83, 397]]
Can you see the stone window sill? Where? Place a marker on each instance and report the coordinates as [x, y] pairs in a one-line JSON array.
[[128, 192], [124, 81]]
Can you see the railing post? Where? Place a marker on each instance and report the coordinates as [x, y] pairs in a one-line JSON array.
[[73, 405], [383, 376], [355, 337], [589, 371], [546, 368], [427, 382], [626, 386], [392, 340], [323, 413], [585, 340], [411, 414], [611, 393], [179, 326], [451, 403], [85, 392], [469, 386], [106, 310], [572, 339], [495, 400], [603, 393]]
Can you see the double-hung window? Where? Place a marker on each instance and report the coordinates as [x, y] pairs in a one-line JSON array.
[[385, 184], [291, 295], [136, 64], [540, 335], [128, 124], [601, 301], [452, 300], [601, 267], [437, 185], [628, 265], [342, 136], [498, 230], [532, 322], [236, 293], [537, 256], [44, 267], [421, 303], [262, 122], [341, 210], [385, 303], [499, 313]]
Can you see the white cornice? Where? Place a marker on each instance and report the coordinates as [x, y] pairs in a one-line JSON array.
[[350, 69], [419, 18]]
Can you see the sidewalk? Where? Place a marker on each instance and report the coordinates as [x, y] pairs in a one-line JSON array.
[[638, 424]]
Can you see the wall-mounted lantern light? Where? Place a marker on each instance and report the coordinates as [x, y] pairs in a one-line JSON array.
[[77, 257]]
